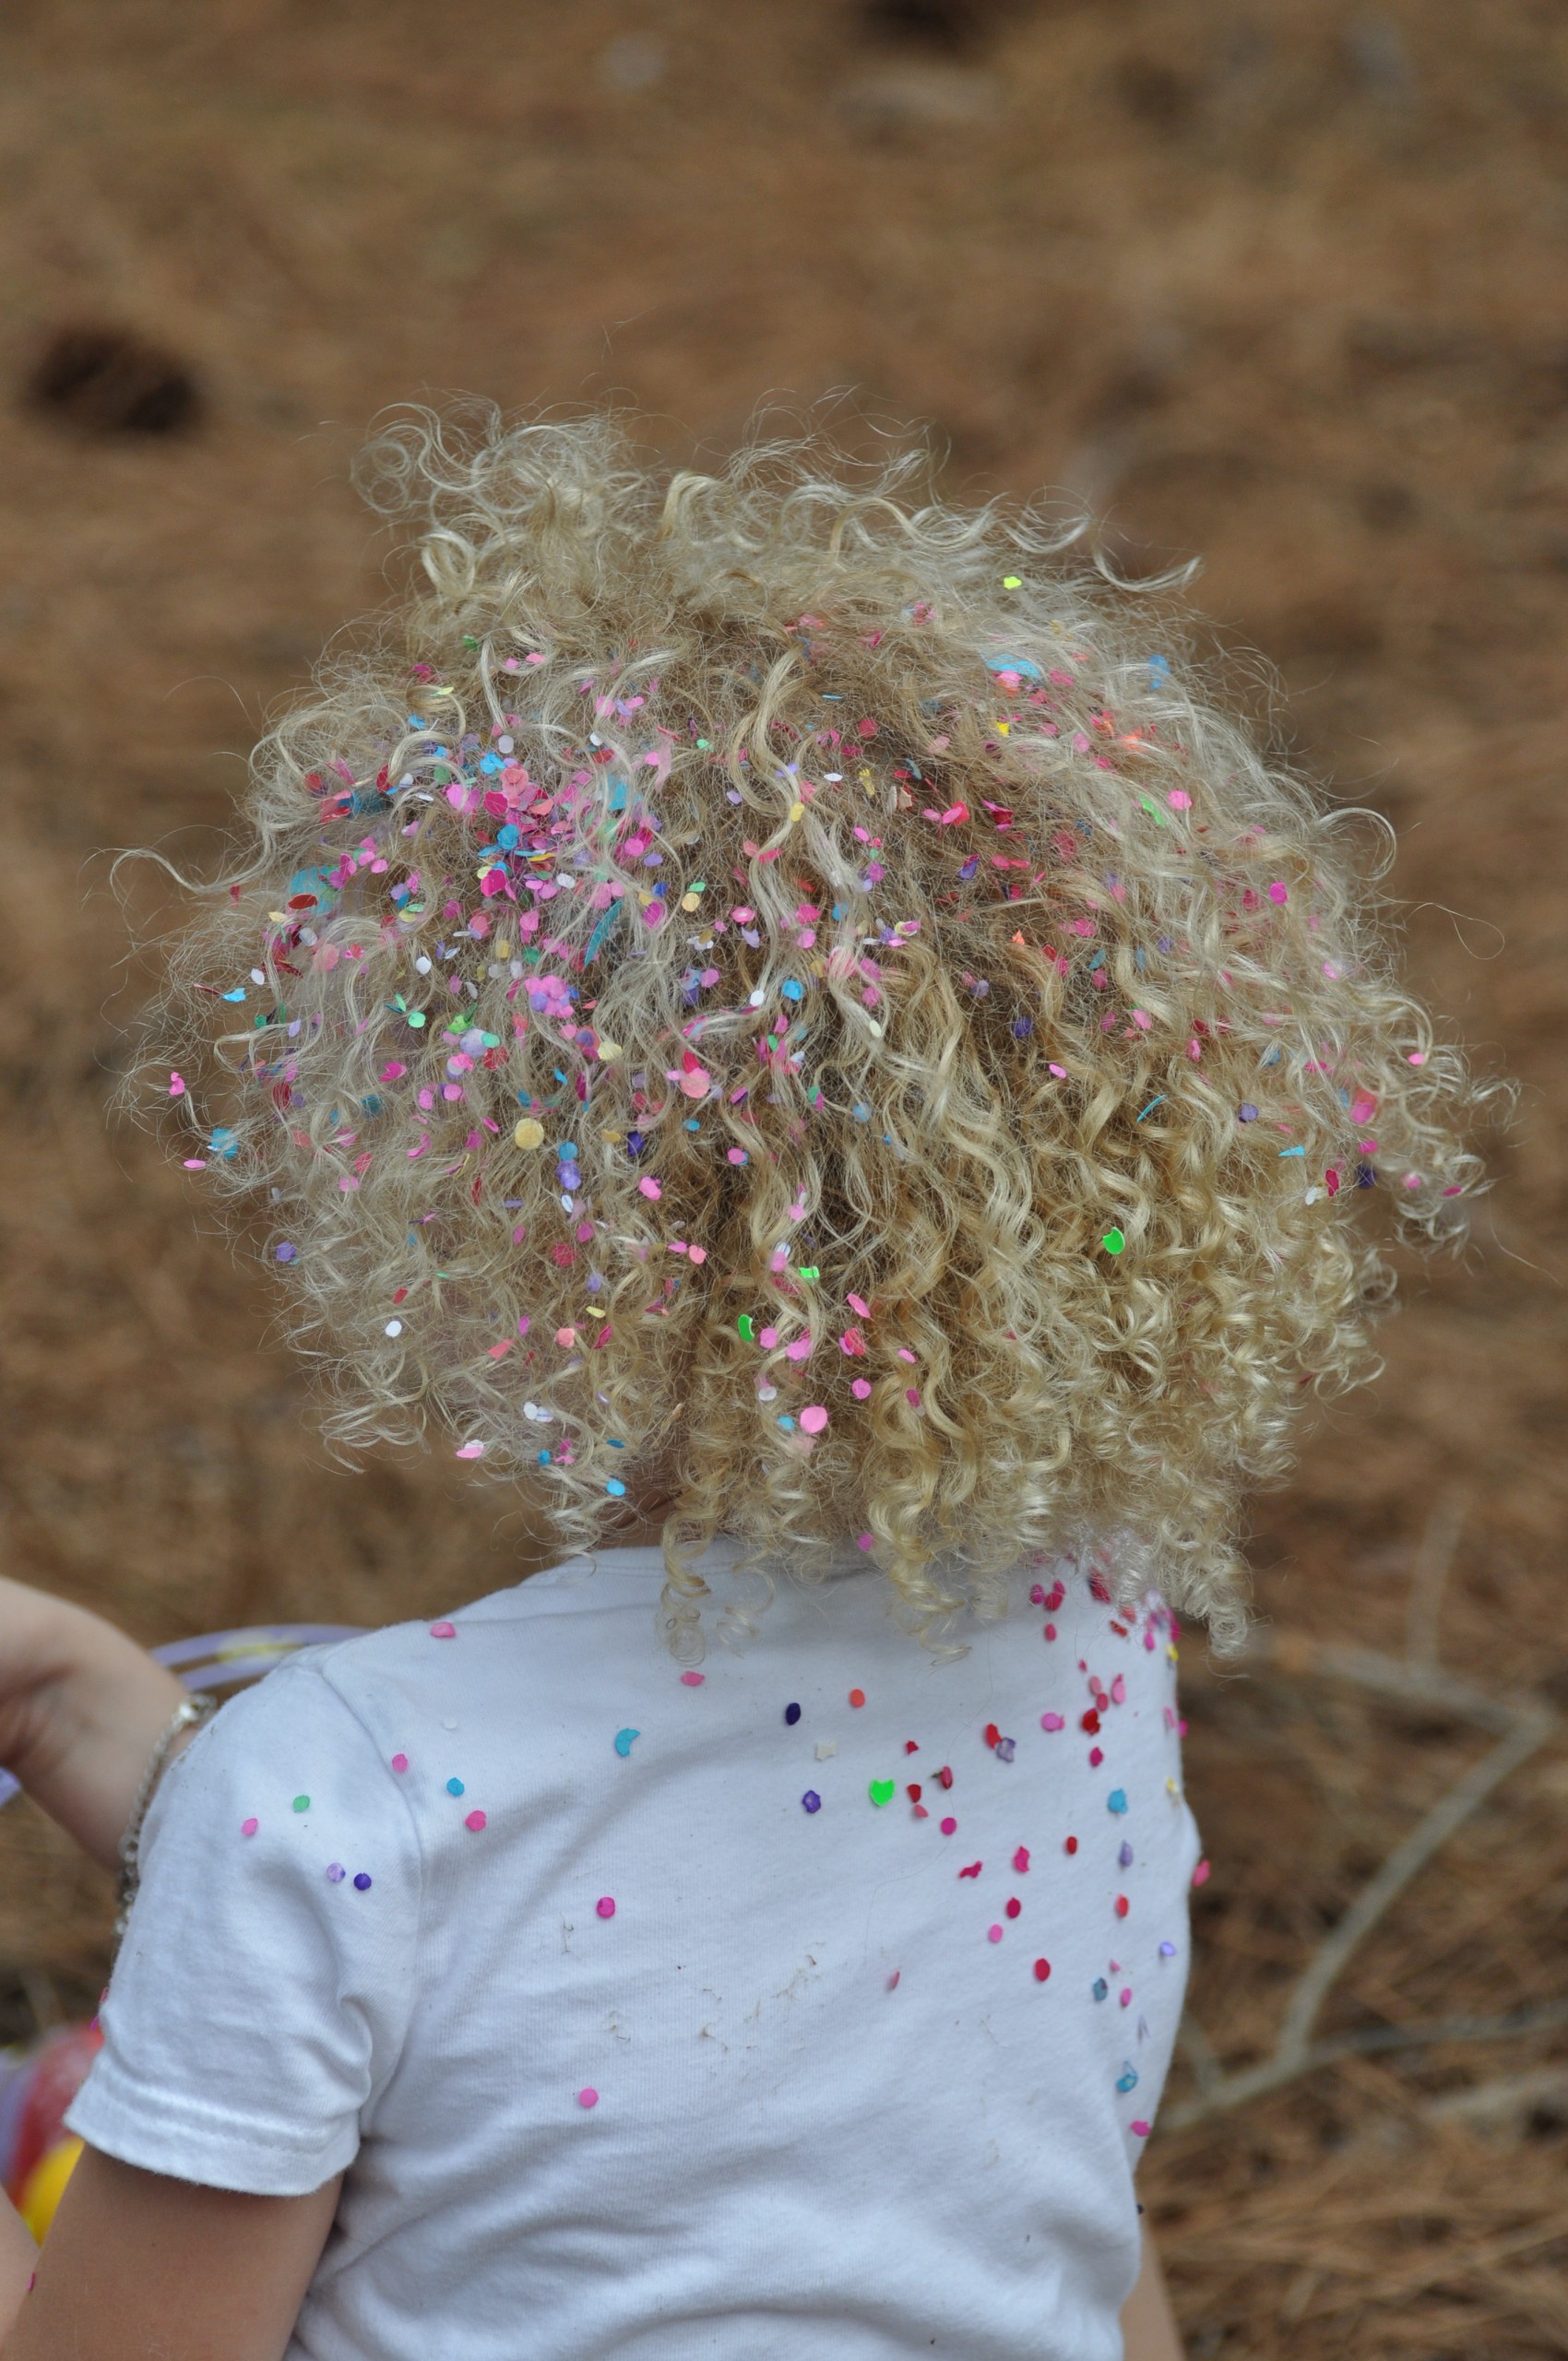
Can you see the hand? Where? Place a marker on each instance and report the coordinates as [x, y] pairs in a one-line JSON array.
[[81, 1709]]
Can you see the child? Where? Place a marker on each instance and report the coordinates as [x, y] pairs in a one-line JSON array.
[[780, 1018]]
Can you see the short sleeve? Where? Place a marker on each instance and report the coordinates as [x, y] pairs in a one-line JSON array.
[[261, 1997]]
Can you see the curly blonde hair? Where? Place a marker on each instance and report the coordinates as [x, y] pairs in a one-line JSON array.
[[772, 980]]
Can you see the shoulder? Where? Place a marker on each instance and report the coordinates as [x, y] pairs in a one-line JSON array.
[[391, 1682]]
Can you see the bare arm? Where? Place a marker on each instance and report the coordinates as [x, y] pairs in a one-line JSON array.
[[137, 2265], [1148, 2326], [81, 1709]]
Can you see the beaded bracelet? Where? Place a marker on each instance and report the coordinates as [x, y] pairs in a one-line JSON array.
[[189, 1714]]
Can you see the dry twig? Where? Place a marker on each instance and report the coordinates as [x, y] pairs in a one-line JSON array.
[[1521, 1726]]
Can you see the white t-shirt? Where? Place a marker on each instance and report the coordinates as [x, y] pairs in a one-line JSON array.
[[653, 2016]]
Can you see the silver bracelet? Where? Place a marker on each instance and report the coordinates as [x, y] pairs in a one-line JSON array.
[[189, 1714]]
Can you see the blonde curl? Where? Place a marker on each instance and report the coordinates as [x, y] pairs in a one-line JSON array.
[[964, 1032]]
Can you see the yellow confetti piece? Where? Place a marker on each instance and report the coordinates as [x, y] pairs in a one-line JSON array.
[[1012, 582], [690, 901], [609, 1051], [528, 1133], [797, 811]]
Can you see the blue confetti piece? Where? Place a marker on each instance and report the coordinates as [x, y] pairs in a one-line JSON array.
[[238, 993], [1117, 1799], [224, 1143], [316, 882], [1152, 1104], [1292, 1151], [1128, 2077], [1098, 1988], [1160, 671], [624, 1739], [1013, 664], [455, 1787], [601, 930]]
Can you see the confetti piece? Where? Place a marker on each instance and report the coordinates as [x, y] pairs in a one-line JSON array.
[[442, 1630], [881, 1791], [693, 1680], [362, 1883], [529, 1132], [588, 2098], [624, 1739], [475, 1820], [1042, 1970], [1114, 1240], [302, 1803], [605, 1906], [814, 1418], [249, 1827], [810, 1801]]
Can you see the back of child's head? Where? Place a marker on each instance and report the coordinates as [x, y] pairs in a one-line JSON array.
[[774, 992]]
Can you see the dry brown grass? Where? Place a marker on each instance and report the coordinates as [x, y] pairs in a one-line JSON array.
[[1284, 285]]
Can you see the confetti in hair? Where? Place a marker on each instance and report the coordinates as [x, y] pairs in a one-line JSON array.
[[773, 983]]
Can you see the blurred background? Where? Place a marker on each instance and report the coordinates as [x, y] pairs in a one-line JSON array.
[[1280, 283]]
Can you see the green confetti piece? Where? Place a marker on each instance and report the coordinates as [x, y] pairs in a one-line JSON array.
[[1113, 1240]]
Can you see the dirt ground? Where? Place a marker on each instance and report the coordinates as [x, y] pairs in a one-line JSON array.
[[1285, 285]]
